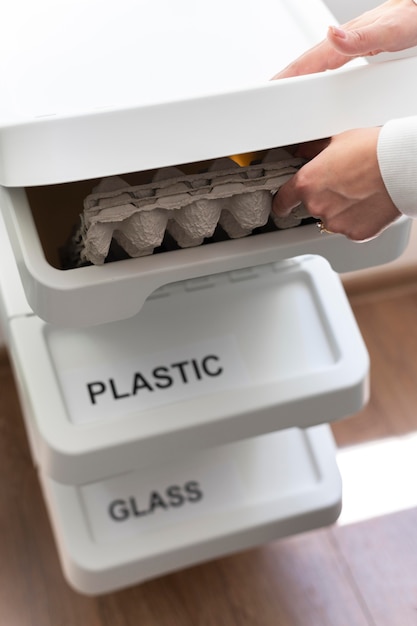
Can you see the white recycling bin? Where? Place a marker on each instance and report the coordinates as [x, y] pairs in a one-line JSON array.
[[177, 403]]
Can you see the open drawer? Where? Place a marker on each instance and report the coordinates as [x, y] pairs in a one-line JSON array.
[[87, 120], [205, 362], [140, 525], [91, 295]]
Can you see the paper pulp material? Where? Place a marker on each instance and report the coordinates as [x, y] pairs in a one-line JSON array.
[[186, 206]]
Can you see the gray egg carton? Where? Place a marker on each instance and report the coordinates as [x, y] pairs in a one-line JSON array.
[[187, 206]]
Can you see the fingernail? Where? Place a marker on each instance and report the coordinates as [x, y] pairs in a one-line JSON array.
[[338, 32]]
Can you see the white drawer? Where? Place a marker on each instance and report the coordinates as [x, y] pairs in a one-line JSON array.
[[205, 362], [91, 295], [100, 110], [136, 526]]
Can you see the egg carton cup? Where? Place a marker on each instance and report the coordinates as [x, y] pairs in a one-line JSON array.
[[189, 207]]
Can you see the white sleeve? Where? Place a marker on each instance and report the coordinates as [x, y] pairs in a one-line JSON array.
[[397, 158]]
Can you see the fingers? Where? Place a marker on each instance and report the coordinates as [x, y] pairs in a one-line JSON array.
[[287, 198], [322, 57], [387, 28], [361, 42], [340, 47], [358, 220], [290, 194], [362, 221]]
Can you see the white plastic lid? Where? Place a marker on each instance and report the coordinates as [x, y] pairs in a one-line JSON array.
[[92, 88], [205, 362]]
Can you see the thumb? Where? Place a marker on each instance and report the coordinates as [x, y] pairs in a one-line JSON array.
[[359, 42], [286, 198]]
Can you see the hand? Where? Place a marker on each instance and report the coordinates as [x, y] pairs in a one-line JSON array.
[[341, 185], [388, 28]]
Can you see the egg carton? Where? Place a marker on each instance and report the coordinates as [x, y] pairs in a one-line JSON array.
[[189, 207]]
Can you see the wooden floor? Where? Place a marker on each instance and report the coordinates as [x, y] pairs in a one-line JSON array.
[[352, 575]]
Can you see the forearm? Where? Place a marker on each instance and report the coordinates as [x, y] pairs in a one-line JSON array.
[[397, 158]]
